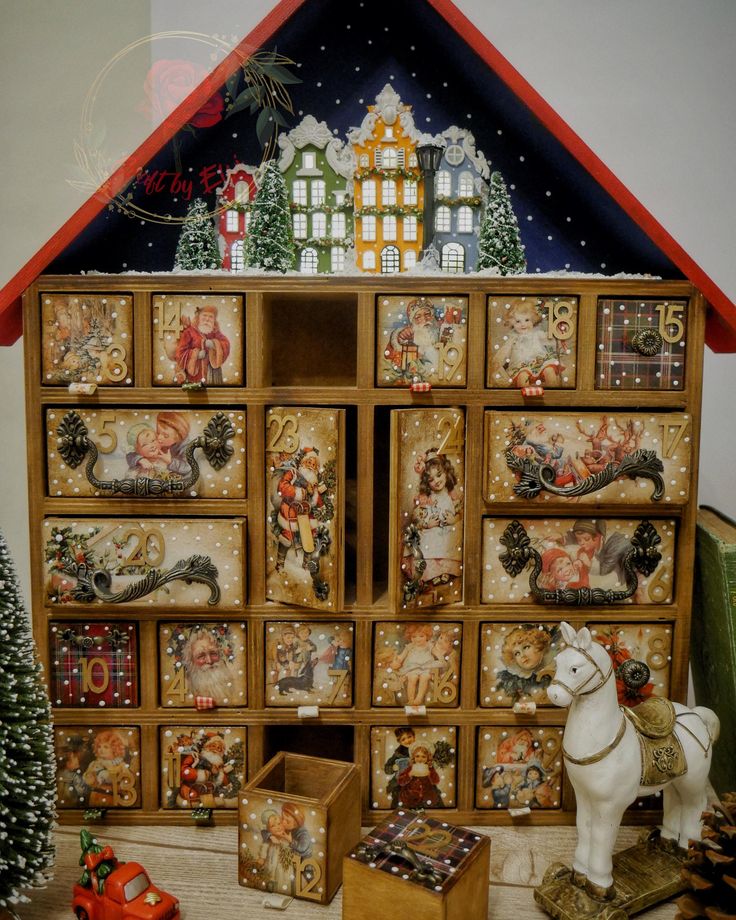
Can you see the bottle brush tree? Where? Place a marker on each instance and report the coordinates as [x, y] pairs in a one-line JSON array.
[[270, 241], [27, 772], [197, 246], [499, 244]]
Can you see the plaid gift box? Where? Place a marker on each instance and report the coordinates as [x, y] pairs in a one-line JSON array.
[[438, 867], [619, 366]]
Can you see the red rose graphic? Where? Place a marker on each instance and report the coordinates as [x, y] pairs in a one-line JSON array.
[[168, 83]]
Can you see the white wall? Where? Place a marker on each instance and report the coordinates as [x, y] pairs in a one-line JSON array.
[[648, 84]]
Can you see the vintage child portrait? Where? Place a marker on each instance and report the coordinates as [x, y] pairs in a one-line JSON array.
[[413, 766], [416, 664], [428, 505], [517, 662], [304, 489], [94, 664], [519, 768], [87, 338], [422, 340], [97, 767], [198, 338], [309, 664], [532, 341], [202, 660], [202, 766]]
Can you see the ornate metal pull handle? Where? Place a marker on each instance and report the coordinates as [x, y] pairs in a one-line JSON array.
[[74, 444], [95, 584], [535, 477], [643, 556], [422, 870]]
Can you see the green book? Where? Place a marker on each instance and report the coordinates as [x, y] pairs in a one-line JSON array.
[[713, 637]]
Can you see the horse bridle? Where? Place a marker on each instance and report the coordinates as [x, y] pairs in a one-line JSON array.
[[579, 691]]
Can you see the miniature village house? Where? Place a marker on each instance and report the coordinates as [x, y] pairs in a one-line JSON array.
[[233, 199]]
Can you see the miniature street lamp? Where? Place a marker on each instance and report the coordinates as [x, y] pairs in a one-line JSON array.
[[429, 157]]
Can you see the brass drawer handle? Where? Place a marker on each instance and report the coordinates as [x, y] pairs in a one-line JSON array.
[[74, 444], [643, 556], [536, 477], [95, 584]]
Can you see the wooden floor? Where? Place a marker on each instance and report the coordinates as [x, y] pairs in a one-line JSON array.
[[197, 865]]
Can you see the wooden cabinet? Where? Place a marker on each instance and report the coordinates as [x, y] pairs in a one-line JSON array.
[[217, 550]]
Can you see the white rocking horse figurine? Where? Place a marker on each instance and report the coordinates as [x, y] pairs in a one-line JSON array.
[[611, 758]]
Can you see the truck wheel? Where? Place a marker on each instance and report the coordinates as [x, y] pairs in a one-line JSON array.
[[82, 914]]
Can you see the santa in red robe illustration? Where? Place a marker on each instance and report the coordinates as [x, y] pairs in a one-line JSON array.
[[201, 349]]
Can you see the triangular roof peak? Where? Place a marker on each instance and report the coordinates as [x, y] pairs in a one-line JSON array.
[[309, 131], [466, 140], [389, 109]]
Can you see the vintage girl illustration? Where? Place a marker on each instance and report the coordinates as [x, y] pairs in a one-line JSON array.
[[98, 768], [309, 664], [418, 765], [419, 781], [527, 655], [528, 355], [519, 769], [158, 450], [416, 664]]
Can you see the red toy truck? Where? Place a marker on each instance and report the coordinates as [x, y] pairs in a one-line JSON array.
[[127, 895]]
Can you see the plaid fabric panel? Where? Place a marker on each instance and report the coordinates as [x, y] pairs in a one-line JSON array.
[[443, 846], [619, 366], [94, 665]]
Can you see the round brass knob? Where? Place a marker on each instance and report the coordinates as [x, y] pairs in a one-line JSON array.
[[647, 342]]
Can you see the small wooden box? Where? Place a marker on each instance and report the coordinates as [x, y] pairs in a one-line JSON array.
[[416, 866], [299, 816]]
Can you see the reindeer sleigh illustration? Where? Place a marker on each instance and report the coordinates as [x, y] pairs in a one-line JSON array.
[[612, 755]]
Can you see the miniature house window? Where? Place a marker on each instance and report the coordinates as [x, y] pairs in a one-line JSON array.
[[369, 193], [410, 258], [337, 259], [454, 154], [232, 224], [364, 161], [318, 191], [390, 158], [369, 260], [309, 160], [242, 192], [308, 262], [410, 228], [378, 157], [319, 224], [339, 194], [465, 185], [465, 219], [410, 192], [453, 258], [442, 220], [237, 258], [401, 158], [388, 191], [444, 183], [412, 159], [246, 221], [337, 227], [390, 260], [300, 226], [389, 131], [299, 191], [389, 227], [369, 227]]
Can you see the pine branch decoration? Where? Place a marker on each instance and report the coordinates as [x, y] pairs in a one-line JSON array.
[[270, 241]]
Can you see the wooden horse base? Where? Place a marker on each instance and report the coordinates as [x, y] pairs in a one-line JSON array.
[[643, 875]]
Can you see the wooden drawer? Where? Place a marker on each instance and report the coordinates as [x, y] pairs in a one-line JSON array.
[[519, 767], [413, 766], [592, 457], [577, 560], [155, 563], [202, 766], [169, 453], [532, 341], [205, 660], [98, 766], [641, 344], [86, 338]]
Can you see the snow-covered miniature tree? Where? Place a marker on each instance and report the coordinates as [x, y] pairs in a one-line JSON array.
[[270, 241], [27, 771], [197, 246], [499, 244]]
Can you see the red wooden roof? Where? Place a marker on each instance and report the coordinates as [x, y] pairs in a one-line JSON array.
[[721, 329]]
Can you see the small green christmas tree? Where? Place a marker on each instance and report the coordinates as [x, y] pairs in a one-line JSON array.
[[270, 240], [499, 245], [197, 246], [27, 769]]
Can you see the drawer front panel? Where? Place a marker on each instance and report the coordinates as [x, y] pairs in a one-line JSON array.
[[198, 339], [413, 766], [205, 660], [86, 338], [519, 767], [202, 766], [517, 663], [577, 554], [98, 766], [641, 344], [532, 341], [421, 339], [155, 563], [590, 457], [169, 453], [650, 643]]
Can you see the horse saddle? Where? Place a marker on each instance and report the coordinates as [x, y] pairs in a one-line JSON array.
[[662, 757]]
